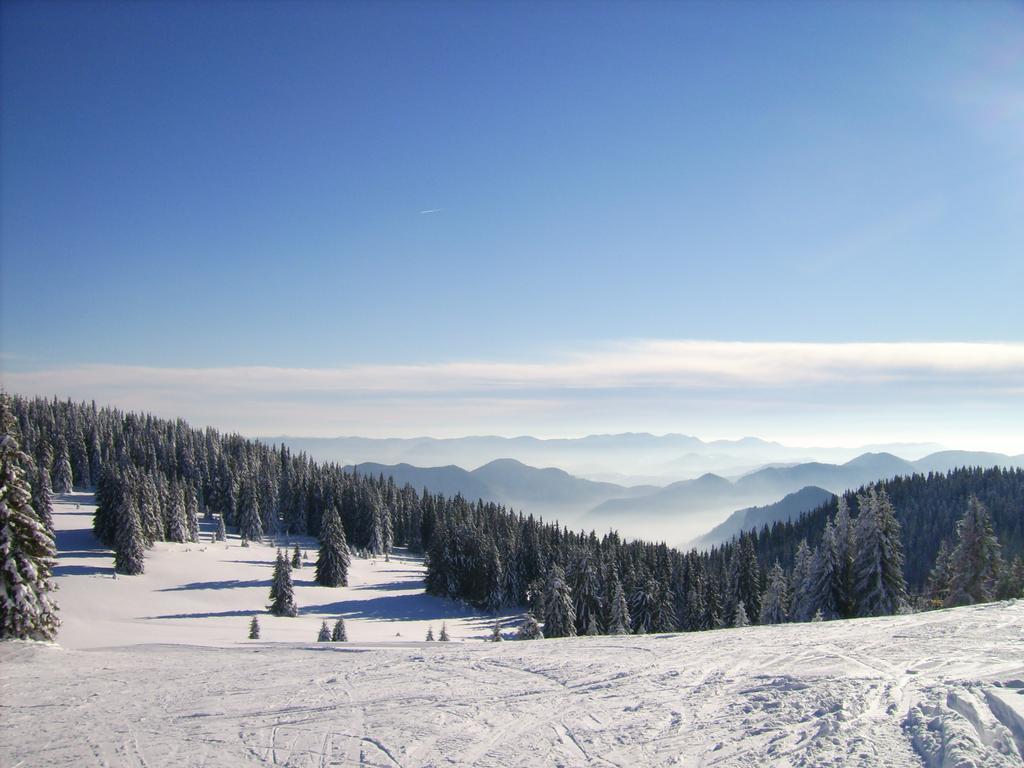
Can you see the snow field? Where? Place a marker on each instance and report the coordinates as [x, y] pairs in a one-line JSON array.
[[206, 593], [938, 689]]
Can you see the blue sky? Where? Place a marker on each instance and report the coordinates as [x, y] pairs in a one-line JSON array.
[[197, 186]]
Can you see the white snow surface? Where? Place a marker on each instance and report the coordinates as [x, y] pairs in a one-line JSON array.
[[134, 687]]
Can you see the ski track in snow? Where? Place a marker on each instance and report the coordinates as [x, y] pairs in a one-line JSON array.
[[936, 689]]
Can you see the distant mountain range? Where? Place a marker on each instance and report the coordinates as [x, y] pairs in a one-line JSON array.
[[545, 493], [688, 507], [680, 511], [787, 508], [625, 459]]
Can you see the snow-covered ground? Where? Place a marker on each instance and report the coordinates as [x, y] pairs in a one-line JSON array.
[[943, 688], [206, 593]]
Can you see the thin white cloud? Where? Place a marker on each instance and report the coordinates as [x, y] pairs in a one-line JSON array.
[[630, 364], [708, 387], [431, 210]]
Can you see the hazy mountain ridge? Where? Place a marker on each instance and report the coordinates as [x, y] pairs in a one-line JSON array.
[[626, 459], [689, 506], [540, 491], [787, 508], [679, 511]]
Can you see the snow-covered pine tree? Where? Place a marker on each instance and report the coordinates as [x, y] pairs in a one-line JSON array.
[[129, 542], [296, 557], [324, 635], [430, 634], [827, 589], [42, 498], [740, 618], [63, 480], [644, 606], [620, 622], [940, 576], [775, 601], [665, 613], [845, 548], [338, 634], [27, 552], [800, 589], [148, 504], [254, 629], [282, 593], [529, 629], [250, 525], [333, 559], [496, 632], [879, 585], [495, 582], [222, 533], [177, 526], [586, 590], [443, 637], [975, 563], [817, 616], [191, 514], [559, 612], [748, 575], [592, 628]]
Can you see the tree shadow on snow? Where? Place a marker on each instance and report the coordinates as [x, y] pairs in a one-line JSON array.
[[393, 586], [78, 542], [210, 615], [418, 607], [227, 584], [83, 570]]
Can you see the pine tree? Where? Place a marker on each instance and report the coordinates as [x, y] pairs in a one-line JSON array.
[[827, 590], [296, 557], [530, 629], [430, 634], [879, 585], [495, 582], [496, 632], [800, 583], [27, 552], [339, 635], [250, 525], [975, 563], [941, 575], [254, 629], [129, 543], [222, 534], [644, 606], [62, 477], [177, 526], [325, 633], [592, 628], [333, 560], [740, 619], [559, 613], [775, 601], [443, 637], [192, 514], [42, 498], [846, 546], [620, 622], [282, 593]]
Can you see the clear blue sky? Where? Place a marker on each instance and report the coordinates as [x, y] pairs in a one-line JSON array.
[[227, 184]]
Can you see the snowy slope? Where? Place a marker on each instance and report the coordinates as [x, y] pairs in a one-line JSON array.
[[206, 593], [942, 688]]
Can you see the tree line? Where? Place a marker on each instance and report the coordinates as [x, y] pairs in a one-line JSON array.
[[888, 547]]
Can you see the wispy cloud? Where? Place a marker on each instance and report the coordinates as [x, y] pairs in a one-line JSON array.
[[625, 384], [431, 210]]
